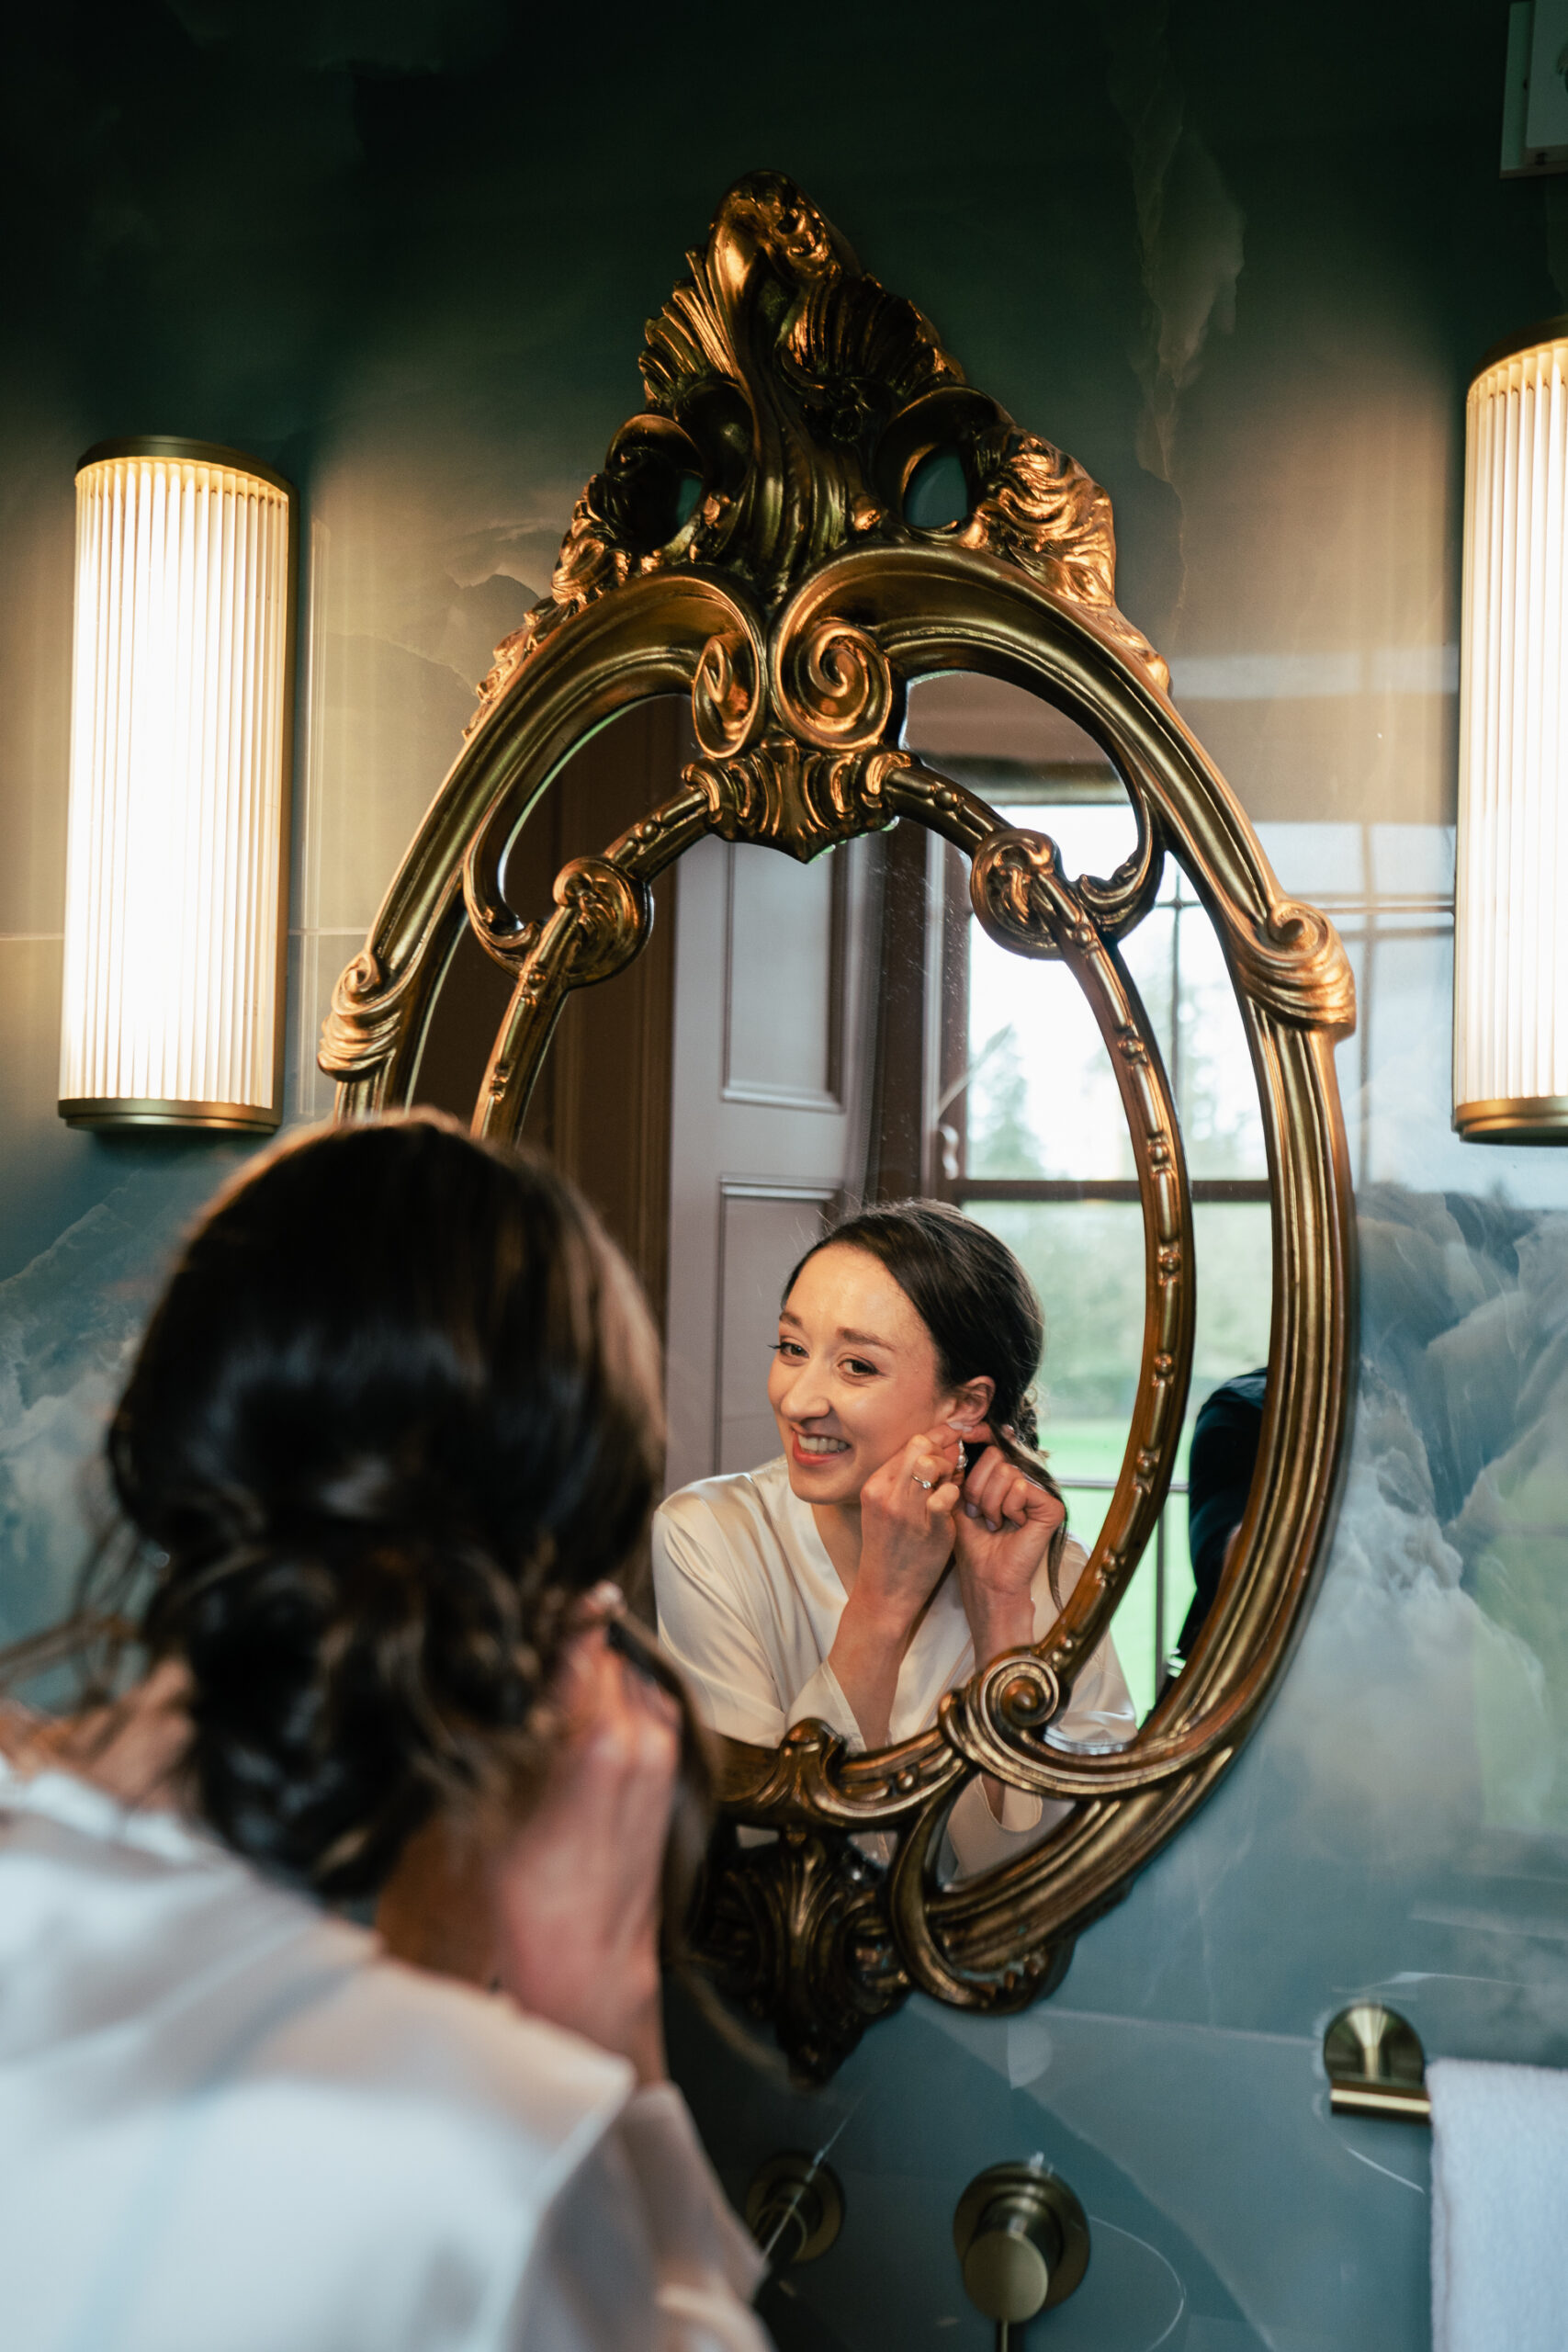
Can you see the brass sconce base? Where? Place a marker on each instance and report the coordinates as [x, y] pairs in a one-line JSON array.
[[1533, 1118], [125, 1111]]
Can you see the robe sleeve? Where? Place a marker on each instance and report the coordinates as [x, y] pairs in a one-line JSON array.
[[977, 1841], [822, 1699], [705, 1632], [1100, 1715], [640, 2252]]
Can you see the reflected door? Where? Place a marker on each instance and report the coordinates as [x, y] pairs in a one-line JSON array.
[[768, 1114]]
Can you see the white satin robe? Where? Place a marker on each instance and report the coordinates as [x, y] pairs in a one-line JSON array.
[[748, 1606], [228, 2123]]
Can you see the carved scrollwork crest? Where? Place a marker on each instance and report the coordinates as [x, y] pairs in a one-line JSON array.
[[791, 399]]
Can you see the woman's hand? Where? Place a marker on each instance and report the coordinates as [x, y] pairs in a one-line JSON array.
[[574, 1889], [1004, 1530], [906, 1525], [907, 1518], [561, 1910]]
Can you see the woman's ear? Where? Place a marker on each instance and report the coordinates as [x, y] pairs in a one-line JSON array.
[[973, 1401]]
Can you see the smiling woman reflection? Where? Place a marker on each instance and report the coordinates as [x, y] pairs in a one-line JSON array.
[[866, 1570]]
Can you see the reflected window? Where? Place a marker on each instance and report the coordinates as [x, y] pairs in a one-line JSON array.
[[1026, 1130]]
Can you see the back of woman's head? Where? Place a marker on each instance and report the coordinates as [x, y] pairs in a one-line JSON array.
[[396, 1409], [969, 1290]]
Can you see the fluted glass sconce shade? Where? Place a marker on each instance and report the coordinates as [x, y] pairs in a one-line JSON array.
[[177, 831], [1511, 886]]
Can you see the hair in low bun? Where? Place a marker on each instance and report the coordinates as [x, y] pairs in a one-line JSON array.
[[397, 1410]]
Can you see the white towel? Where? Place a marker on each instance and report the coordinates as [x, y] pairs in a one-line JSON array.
[[1499, 2207]]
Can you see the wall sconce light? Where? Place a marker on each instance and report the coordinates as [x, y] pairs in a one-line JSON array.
[[177, 830], [1511, 882]]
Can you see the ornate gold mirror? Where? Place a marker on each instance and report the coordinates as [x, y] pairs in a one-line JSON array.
[[751, 546]]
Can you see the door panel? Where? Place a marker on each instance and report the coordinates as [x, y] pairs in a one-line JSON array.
[[784, 1002], [769, 1112], [762, 1231]]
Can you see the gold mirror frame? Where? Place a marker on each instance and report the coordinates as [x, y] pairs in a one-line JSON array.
[[794, 604]]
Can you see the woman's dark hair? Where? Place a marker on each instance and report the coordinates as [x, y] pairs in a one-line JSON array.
[[968, 1289], [397, 1409]]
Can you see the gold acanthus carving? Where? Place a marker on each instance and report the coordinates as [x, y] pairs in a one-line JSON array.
[[726, 700], [1038, 508], [605, 915], [796, 398], [799, 1932], [1292, 960], [367, 1013], [795, 800]]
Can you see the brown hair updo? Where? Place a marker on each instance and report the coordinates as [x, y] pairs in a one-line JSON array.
[[397, 1409]]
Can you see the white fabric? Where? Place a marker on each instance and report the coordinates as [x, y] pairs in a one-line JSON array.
[[749, 1603], [1499, 2206], [228, 2123]]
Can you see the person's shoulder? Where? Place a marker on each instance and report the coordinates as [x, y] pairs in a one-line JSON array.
[[1241, 1398], [734, 1493], [740, 1534], [383, 2052], [429, 2048]]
